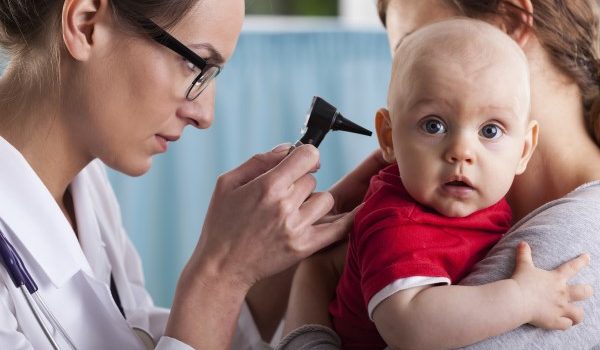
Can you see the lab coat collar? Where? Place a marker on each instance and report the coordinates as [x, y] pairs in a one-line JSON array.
[[90, 237], [40, 231]]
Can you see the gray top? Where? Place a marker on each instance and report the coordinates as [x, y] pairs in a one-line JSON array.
[[557, 231]]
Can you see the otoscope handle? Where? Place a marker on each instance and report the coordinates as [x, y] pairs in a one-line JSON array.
[[306, 140]]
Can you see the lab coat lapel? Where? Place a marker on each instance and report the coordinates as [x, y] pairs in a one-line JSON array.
[[40, 231], [90, 238], [46, 242]]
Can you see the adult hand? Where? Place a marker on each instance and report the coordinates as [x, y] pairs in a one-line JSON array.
[[268, 299], [261, 220], [350, 190]]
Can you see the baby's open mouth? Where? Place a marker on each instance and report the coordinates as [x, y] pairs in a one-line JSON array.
[[458, 183]]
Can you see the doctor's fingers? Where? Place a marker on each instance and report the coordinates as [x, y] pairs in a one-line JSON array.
[[302, 160], [251, 169], [319, 236], [300, 190], [313, 209]]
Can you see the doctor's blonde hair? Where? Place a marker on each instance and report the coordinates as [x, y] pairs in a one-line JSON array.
[[30, 33]]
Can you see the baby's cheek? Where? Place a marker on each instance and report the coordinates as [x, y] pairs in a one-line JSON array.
[[497, 188]]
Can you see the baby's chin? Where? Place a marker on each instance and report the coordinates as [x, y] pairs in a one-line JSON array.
[[456, 209]]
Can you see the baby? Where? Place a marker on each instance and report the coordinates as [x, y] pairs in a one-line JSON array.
[[457, 132]]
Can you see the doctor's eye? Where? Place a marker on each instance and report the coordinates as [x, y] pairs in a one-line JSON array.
[[433, 126], [192, 67], [491, 131]]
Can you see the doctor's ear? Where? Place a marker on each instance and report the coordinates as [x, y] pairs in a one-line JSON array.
[[517, 21], [383, 127], [82, 23]]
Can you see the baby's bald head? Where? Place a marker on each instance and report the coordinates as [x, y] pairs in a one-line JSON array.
[[463, 45]]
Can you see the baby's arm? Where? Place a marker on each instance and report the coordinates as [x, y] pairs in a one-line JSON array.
[[313, 288], [447, 317]]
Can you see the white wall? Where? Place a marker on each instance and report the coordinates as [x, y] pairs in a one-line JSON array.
[[359, 12]]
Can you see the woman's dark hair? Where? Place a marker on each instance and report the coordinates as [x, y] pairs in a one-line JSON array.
[[25, 22], [567, 29], [30, 30]]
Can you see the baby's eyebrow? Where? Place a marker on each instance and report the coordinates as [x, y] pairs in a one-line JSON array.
[[429, 101], [501, 111]]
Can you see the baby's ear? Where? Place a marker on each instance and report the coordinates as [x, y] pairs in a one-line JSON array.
[[383, 126], [531, 139]]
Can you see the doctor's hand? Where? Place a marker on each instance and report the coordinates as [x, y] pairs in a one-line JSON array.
[[263, 216], [262, 219]]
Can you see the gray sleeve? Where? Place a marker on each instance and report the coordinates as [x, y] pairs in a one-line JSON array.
[[307, 337], [557, 232]]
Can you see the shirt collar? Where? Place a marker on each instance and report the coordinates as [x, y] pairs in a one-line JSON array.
[[90, 237], [43, 234]]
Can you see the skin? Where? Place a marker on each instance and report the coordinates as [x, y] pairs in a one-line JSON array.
[[482, 135], [104, 69], [555, 105], [458, 89], [565, 157]]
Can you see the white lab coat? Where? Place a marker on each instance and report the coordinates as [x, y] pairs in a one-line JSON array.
[[74, 276]]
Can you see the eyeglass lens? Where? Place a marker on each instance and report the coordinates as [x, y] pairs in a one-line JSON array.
[[202, 81]]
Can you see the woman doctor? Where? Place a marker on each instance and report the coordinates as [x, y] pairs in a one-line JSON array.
[[93, 81]]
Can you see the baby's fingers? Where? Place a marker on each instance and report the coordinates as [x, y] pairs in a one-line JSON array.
[[563, 324], [524, 254], [578, 292], [572, 267], [574, 313]]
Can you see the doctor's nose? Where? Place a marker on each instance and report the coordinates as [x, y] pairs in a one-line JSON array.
[[460, 150], [200, 112]]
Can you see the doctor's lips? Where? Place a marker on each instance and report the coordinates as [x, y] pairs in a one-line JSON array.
[[163, 141], [169, 138]]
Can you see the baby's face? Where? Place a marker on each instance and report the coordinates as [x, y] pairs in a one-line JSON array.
[[459, 132]]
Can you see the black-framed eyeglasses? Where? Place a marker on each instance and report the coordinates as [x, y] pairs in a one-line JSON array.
[[207, 71]]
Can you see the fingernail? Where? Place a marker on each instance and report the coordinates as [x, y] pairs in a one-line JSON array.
[[281, 147]]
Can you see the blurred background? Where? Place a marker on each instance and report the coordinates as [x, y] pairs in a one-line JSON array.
[[288, 52]]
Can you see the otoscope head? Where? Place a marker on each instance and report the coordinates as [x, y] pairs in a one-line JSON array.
[[323, 117]]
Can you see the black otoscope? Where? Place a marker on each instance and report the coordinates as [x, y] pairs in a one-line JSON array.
[[323, 117]]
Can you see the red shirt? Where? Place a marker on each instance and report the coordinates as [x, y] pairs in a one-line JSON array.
[[394, 238]]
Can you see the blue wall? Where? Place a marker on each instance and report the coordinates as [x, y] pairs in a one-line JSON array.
[[263, 95]]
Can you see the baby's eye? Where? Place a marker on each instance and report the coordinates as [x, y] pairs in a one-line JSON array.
[[433, 126], [491, 131]]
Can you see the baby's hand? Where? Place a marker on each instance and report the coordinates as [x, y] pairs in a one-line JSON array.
[[546, 293]]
